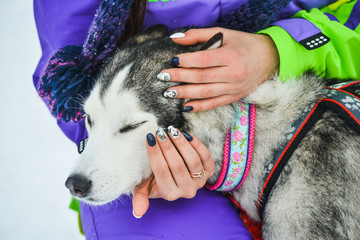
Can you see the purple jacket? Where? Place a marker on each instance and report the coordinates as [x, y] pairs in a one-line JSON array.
[[209, 215]]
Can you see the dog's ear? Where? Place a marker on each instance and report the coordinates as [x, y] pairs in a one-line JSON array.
[[214, 42], [156, 31]]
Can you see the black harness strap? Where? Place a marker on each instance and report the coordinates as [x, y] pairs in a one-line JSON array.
[[343, 99]]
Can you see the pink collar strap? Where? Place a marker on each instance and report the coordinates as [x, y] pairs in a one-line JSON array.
[[238, 148]]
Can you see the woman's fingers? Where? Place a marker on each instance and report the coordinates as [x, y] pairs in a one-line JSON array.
[[176, 165], [178, 168], [140, 199], [210, 103], [199, 91], [205, 156], [194, 75], [206, 58], [196, 172], [181, 165], [194, 36], [189, 155], [160, 166]]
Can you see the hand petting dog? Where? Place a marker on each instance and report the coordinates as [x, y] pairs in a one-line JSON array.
[[218, 77], [223, 75], [181, 164]]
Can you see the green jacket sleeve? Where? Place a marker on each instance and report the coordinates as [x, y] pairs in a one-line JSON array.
[[339, 58]]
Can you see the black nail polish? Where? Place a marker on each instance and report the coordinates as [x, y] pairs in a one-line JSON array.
[[187, 136], [151, 139], [188, 109], [175, 61]]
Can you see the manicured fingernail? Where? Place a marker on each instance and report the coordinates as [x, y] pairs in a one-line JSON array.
[[178, 35], [175, 61], [188, 109], [174, 132], [136, 216], [170, 93], [161, 134], [151, 139], [187, 136], [163, 76]]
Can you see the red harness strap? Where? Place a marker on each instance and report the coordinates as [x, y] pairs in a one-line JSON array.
[[253, 227], [343, 99]]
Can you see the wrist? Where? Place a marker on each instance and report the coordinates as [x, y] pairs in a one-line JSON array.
[[271, 55]]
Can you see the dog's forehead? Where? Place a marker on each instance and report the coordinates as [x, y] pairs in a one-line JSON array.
[[106, 89], [112, 86]]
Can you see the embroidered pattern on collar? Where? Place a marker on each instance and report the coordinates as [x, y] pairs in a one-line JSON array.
[[238, 148]]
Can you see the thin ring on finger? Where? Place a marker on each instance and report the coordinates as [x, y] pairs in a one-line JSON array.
[[199, 174]]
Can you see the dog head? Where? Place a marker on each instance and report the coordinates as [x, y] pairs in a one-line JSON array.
[[125, 104]]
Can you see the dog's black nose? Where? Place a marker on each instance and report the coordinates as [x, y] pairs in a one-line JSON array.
[[78, 185]]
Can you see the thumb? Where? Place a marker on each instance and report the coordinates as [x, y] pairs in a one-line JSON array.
[[140, 200], [194, 36]]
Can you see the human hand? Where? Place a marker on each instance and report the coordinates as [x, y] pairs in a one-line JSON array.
[[223, 75], [181, 164]]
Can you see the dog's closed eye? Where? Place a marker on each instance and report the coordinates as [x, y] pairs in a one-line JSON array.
[[131, 126]]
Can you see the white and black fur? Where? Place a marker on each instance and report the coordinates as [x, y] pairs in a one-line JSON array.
[[316, 196]]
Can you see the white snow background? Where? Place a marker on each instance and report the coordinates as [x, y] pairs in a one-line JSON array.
[[35, 156]]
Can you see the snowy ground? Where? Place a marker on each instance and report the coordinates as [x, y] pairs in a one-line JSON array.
[[35, 156]]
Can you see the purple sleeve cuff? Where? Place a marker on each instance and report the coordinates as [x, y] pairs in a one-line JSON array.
[[304, 32], [298, 28]]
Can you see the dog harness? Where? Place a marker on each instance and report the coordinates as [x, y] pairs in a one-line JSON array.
[[343, 99], [238, 148]]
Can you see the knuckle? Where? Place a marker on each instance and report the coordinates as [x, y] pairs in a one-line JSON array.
[[239, 74], [204, 58], [195, 163], [208, 92], [161, 170], [203, 76], [230, 54], [213, 105], [179, 168], [190, 193], [236, 90], [165, 146], [171, 196]]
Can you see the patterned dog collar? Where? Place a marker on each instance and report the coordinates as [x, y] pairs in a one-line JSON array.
[[238, 148]]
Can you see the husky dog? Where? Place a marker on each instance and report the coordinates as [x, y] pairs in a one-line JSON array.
[[316, 195]]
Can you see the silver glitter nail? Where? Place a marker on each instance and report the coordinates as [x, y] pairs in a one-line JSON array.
[[163, 76], [160, 133], [170, 93], [174, 132]]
